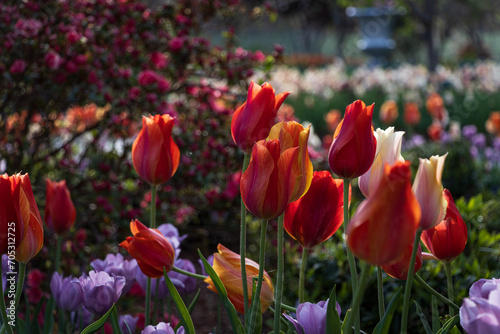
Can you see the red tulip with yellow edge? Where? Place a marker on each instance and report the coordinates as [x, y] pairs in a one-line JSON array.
[[60, 213], [385, 223], [154, 153], [14, 212], [150, 248], [293, 134], [447, 239], [400, 268], [253, 120], [317, 215], [354, 145], [267, 184], [32, 240], [227, 265]]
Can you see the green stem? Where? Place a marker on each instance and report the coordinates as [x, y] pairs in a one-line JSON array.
[[3, 309], [190, 274], [243, 241], [409, 280], [380, 289], [148, 302], [20, 282], [152, 221], [280, 274], [449, 281], [435, 293], [114, 321], [262, 254], [357, 298], [155, 303], [58, 253], [302, 274], [350, 256], [288, 308]]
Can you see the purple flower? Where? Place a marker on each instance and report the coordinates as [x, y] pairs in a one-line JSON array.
[[183, 283], [116, 265], [480, 313], [469, 130], [128, 323], [311, 318], [479, 140], [101, 291], [67, 293], [162, 328], [5, 270], [82, 317], [170, 232]]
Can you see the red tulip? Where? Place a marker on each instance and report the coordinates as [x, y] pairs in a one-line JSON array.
[[354, 145], [21, 224], [292, 134], [154, 153], [267, 184], [253, 120], [385, 223], [400, 268], [227, 265], [150, 248], [447, 239], [388, 112], [60, 213], [317, 215]]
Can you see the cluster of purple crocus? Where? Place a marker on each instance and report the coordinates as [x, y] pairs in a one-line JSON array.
[[480, 150], [162, 328], [112, 277], [480, 313], [311, 318]]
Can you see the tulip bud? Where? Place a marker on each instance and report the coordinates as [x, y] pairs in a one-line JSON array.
[[253, 120], [154, 153], [354, 145], [150, 248], [447, 239], [385, 223], [60, 213], [317, 215], [227, 265]]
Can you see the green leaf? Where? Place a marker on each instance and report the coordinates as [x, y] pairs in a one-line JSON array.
[[49, 316], [344, 323], [425, 323], [99, 323], [190, 307], [385, 323], [221, 290], [450, 323], [436, 323], [186, 320], [333, 324]]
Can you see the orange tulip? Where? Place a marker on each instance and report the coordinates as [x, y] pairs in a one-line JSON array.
[[267, 184], [227, 265], [60, 213], [388, 112], [385, 223], [354, 145], [411, 114], [154, 153], [435, 106], [493, 123], [293, 134], [447, 239], [253, 120], [150, 248], [317, 215], [428, 190], [400, 268], [19, 215]]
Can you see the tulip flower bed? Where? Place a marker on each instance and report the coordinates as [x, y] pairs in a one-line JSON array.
[[381, 246]]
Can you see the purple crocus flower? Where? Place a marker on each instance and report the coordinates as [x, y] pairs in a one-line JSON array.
[[480, 313], [116, 265], [479, 140], [5, 270], [469, 130], [67, 293], [128, 323], [81, 317], [183, 283], [162, 328], [311, 318], [101, 291]]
